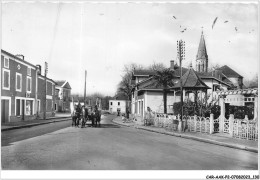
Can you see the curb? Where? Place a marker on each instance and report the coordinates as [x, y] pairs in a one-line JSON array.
[[37, 124], [235, 146]]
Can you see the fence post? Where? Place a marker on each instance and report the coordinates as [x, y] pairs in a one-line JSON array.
[[231, 123], [222, 114], [256, 108], [179, 125], [195, 123], [211, 124]]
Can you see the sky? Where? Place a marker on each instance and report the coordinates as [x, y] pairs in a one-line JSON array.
[[103, 37]]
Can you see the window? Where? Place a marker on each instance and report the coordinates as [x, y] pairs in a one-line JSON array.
[[29, 71], [6, 62], [29, 107], [29, 84], [6, 79], [18, 107], [118, 103], [18, 82], [111, 103]]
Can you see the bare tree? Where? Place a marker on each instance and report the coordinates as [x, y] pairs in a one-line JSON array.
[[125, 86], [157, 66], [251, 83]]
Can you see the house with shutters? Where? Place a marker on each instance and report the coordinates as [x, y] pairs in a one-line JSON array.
[[119, 104], [146, 94], [63, 96], [22, 90]]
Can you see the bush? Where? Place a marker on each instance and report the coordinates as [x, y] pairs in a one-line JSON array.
[[239, 112]]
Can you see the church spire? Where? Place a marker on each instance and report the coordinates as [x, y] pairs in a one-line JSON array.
[[202, 56]]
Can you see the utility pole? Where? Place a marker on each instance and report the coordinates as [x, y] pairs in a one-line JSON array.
[[45, 90], [181, 55], [85, 89]]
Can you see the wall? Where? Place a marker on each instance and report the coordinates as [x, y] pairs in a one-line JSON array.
[[235, 100], [114, 106], [155, 101]]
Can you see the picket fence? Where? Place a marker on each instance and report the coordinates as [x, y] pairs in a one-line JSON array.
[[237, 128]]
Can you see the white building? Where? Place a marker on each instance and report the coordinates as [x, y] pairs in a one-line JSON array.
[[119, 104]]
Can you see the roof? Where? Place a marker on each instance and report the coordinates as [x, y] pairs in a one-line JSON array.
[[202, 51], [120, 96], [227, 71], [191, 80], [64, 84], [17, 58], [144, 72], [47, 79], [60, 83]]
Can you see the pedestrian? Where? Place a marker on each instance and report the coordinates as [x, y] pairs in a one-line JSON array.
[[127, 114], [148, 117]]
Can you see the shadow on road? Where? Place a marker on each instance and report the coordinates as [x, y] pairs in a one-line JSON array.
[[105, 126]]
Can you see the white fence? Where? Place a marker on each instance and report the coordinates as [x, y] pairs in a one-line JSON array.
[[243, 129]]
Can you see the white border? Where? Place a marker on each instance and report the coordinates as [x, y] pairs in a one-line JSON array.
[[5, 70], [21, 81]]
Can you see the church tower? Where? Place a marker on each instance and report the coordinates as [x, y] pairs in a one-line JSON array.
[[202, 56]]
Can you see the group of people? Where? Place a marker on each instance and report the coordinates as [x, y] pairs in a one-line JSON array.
[[81, 114]]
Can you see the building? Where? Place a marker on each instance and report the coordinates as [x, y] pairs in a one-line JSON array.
[[22, 90], [63, 96], [119, 104], [146, 94]]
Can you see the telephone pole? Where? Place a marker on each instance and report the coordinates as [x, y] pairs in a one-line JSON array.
[[85, 89], [45, 90], [181, 56]]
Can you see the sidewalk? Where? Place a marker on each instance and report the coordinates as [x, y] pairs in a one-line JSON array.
[[221, 139], [23, 124]]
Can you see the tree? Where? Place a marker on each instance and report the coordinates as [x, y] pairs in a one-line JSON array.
[[213, 67], [125, 86], [252, 83], [163, 78], [157, 66]]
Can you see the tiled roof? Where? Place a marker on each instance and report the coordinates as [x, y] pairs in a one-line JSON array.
[[191, 80], [227, 71], [60, 83], [120, 96], [143, 72]]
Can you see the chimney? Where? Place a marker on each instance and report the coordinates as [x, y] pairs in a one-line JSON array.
[[20, 56], [172, 64], [39, 69]]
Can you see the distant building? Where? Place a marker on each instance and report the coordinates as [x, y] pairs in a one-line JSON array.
[[119, 104], [145, 93], [22, 90], [63, 96]]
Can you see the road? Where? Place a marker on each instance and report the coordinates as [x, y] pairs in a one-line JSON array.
[[61, 147]]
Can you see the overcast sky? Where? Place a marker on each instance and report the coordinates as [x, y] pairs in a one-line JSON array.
[[102, 37]]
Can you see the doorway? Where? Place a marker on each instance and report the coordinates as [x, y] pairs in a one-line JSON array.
[[4, 110]]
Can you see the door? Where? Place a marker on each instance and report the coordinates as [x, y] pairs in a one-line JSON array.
[[4, 110], [142, 108], [23, 104]]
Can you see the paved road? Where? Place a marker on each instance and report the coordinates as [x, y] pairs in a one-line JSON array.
[[112, 147]]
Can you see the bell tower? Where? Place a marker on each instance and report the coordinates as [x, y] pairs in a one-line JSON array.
[[202, 56]]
